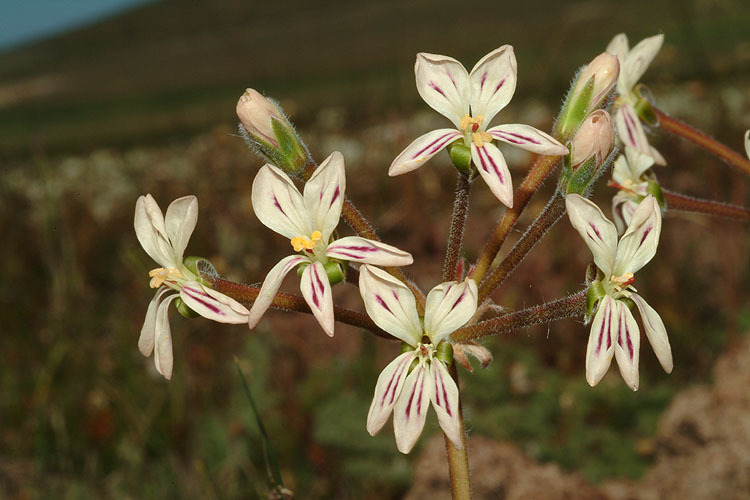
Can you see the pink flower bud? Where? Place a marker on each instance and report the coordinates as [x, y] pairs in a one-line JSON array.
[[255, 112], [605, 68], [596, 137]]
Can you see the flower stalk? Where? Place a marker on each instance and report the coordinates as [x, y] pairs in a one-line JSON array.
[[458, 459], [458, 225], [685, 203]]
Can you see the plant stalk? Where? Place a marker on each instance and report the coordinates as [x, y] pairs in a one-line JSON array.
[[458, 460], [458, 225], [685, 203]]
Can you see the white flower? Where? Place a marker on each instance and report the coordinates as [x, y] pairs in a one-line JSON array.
[[633, 64], [471, 101], [392, 306], [614, 330], [165, 239], [308, 220], [627, 176], [747, 143]]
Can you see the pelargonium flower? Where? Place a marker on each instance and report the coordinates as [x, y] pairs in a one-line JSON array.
[[628, 177], [614, 330], [164, 239], [308, 220], [633, 63], [417, 376], [471, 101]]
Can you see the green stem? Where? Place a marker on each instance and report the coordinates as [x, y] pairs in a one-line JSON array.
[[571, 306], [458, 460], [458, 225], [685, 131], [677, 201]]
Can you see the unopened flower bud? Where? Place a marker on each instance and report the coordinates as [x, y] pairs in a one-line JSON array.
[[591, 145], [256, 112]]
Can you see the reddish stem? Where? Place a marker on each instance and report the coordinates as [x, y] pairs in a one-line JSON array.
[[677, 201]]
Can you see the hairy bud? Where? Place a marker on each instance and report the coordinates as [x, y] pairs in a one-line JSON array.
[[590, 148]]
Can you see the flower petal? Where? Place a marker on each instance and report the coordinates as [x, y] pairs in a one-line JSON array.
[[638, 245], [747, 143], [627, 338], [316, 289], [324, 194], [357, 249], [182, 215], [449, 306], [655, 332], [619, 47], [421, 150], [638, 162], [444, 85], [493, 82], [279, 205], [600, 348], [389, 385], [213, 305], [271, 286], [445, 401], [599, 233], [528, 138], [493, 169], [152, 233], [146, 340], [410, 411], [639, 58], [163, 342], [630, 129], [623, 208], [390, 304]]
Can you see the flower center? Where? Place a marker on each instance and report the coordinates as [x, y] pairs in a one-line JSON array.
[[472, 127], [622, 282], [160, 275], [300, 243]]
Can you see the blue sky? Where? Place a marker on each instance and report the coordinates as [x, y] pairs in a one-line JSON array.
[[23, 21]]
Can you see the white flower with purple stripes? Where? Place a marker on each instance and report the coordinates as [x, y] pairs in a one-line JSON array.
[[628, 177], [633, 63], [308, 220], [614, 331], [418, 376], [471, 101], [165, 240]]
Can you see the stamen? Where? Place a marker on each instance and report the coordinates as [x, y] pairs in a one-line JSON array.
[[160, 275], [300, 243], [623, 281]]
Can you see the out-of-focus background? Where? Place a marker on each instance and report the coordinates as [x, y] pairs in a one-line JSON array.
[[103, 101]]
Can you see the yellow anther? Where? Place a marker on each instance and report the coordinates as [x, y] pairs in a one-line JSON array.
[[622, 281], [300, 243], [160, 275], [473, 122], [465, 121], [479, 138]]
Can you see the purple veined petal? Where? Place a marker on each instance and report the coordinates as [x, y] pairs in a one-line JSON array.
[[279, 205], [180, 220], [213, 305], [630, 129], [390, 304], [493, 82], [623, 208], [148, 331], [599, 233], [387, 390], [163, 340], [638, 245], [324, 194], [493, 169], [655, 332], [271, 286], [528, 138], [627, 338], [316, 289], [152, 233], [449, 306], [410, 411], [444, 85], [445, 401], [421, 150], [600, 348], [639, 58], [357, 249]]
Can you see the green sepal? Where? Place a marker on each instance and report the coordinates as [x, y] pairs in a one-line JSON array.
[[654, 189], [578, 180], [335, 272], [591, 273], [574, 111], [184, 310], [593, 296], [460, 156], [628, 302], [200, 267], [643, 106], [291, 151], [406, 348], [301, 268], [445, 353]]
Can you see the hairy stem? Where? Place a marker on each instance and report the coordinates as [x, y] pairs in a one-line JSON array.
[[458, 225], [677, 201], [458, 460], [536, 231], [571, 306], [685, 131], [539, 171]]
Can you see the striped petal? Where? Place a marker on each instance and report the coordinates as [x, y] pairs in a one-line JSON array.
[[163, 359], [528, 138], [631, 133], [600, 348], [623, 208], [444, 396], [152, 233], [655, 332], [493, 169], [390, 304], [389, 385], [316, 289], [180, 220], [627, 339], [324, 194], [213, 305], [148, 331], [421, 150], [444, 85], [449, 306], [493, 82], [599, 233], [410, 411], [279, 205], [271, 286], [357, 249], [638, 245]]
